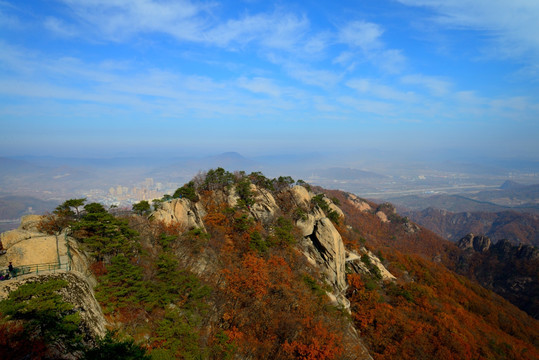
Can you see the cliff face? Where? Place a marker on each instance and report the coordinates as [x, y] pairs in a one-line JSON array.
[[78, 292], [510, 270], [181, 211], [38, 257]]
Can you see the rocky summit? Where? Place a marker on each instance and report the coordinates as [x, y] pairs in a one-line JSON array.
[[236, 265]]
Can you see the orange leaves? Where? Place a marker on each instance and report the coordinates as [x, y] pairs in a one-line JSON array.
[[251, 278], [316, 343]]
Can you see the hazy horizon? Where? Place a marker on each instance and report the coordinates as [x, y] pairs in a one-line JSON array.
[[98, 78]]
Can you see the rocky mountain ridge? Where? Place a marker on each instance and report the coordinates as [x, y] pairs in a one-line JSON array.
[[241, 266], [517, 227]]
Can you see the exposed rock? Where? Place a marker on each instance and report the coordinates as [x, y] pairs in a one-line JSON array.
[[307, 224], [410, 227], [12, 237], [335, 208], [478, 243], [382, 216], [359, 204], [30, 222], [80, 261], [387, 208], [330, 253], [27, 246], [181, 211], [506, 250], [355, 263], [78, 292], [528, 252], [265, 207], [302, 197]]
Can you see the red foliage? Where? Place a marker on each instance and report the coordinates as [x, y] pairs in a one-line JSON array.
[[320, 343]]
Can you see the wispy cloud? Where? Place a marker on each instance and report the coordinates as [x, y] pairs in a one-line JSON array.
[[8, 20], [277, 30], [512, 24], [310, 76], [119, 19], [369, 87], [59, 27], [361, 34], [364, 40], [435, 85], [260, 86]]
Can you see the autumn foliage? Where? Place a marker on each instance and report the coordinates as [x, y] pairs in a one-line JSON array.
[[240, 288]]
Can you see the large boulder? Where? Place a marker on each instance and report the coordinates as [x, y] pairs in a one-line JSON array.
[[181, 211], [302, 197], [324, 246], [264, 207], [307, 222]]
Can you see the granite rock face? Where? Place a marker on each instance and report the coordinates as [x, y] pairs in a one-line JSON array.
[[181, 211], [48, 257]]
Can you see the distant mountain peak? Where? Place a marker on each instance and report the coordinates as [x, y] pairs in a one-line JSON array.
[[510, 184], [232, 154]]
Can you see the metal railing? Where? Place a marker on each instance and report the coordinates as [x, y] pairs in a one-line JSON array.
[[34, 269], [40, 268]]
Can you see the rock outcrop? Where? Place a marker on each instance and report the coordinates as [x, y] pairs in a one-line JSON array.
[[38, 257], [358, 203], [355, 263], [478, 243], [328, 243], [504, 249], [27, 246], [78, 292], [181, 211], [322, 244], [301, 196], [382, 216], [265, 207]]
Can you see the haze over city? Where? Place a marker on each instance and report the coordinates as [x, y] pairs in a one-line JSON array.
[[406, 78]]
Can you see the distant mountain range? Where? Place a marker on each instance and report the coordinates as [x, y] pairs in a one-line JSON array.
[[517, 227], [509, 196]]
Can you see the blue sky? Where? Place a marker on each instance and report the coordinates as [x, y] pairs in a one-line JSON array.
[[108, 77]]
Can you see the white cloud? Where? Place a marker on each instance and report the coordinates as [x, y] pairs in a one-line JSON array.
[[8, 20], [309, 76], [260, 85], [277, 30], [512, 23], [119, 19], [58, 27], [391, 61], [184, 20], [364, 42], [367, 86], [380, 108], [435, 85], [362, 34]]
